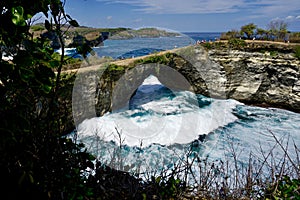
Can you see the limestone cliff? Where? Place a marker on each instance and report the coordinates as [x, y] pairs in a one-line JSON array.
[[254, 77], [261, 78]]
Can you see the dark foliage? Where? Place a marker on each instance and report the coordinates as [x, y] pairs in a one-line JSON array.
[[36, 162]]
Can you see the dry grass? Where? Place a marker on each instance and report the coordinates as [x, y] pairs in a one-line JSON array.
[[195, 177], [230, 179]]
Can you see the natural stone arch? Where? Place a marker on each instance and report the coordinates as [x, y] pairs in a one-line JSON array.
[[217, 73], [127, 85], [113, 85], [195, 71], [189, 70]]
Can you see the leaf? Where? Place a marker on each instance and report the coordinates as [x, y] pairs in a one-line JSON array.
[[73, 23], [17, 16], [47, 25], [21, 179], [91, 157], [18, 11], [30, 178], [158, 179], [84, 50], [46, 88], [45, 13], [69, 17], [26, 74], [28, 16], [54, 6], [54, 63]]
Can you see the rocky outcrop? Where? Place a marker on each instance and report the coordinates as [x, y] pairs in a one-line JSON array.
[[261, 78], [77, 40], [80, 40]]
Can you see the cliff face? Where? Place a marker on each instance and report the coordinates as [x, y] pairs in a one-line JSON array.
[[261, 78]]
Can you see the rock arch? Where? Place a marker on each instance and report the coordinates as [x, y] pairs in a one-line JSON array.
[[217, 73], [177, 71], [105, 88]]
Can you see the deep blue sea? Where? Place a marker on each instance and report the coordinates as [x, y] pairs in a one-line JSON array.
[[159, 126], [120, 49]]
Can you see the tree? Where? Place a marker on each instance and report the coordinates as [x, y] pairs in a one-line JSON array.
[[262, 33], [36, 162], [230, 34], [278, 29], [248, 30]]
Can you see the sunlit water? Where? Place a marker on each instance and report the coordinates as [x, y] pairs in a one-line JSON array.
[[160, 126], [128, 48]]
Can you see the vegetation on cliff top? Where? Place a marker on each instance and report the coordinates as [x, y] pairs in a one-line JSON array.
[[91, 33], [275, 39], [277, 30]]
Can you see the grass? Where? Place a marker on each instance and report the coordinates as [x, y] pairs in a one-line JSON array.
[[236, 43], [297, 52], [273, 53]]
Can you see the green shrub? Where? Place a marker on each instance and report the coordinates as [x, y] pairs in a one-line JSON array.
[[273, 53], [236, 43], [207, 45], [285, 188], [297, 52], [113, 67], [162, 59]]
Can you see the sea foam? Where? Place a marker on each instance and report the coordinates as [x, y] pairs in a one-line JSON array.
[[159, 115]]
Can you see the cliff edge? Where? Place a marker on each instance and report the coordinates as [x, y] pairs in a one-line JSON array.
[[258, 74]]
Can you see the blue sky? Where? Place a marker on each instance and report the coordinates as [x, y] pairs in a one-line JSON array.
[[184, 15]]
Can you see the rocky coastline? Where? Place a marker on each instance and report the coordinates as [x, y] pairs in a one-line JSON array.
[[258, 74], [265, 78], [94, 37]]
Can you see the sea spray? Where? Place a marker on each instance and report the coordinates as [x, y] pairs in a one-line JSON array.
[[157, 128], [161, 110]]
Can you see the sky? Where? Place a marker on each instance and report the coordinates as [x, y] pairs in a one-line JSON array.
[[184, 15]]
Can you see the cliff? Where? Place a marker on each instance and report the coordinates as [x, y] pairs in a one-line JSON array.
[[261, 73], [261, 77], [95, 36], [142, 33]]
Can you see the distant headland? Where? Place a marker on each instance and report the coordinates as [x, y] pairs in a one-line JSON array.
[[95, 36]]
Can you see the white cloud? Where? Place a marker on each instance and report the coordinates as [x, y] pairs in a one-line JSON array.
[[290, 17], [256, 7], [181, 7], [109, 18]]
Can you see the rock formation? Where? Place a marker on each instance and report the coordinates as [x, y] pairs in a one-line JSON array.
[[253, 77], [259, 78]]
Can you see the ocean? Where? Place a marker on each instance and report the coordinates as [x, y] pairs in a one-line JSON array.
[[121, 49], [128, 48], [160, 127]]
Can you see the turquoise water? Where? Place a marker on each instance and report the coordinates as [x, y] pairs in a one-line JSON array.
[[160, 126]]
